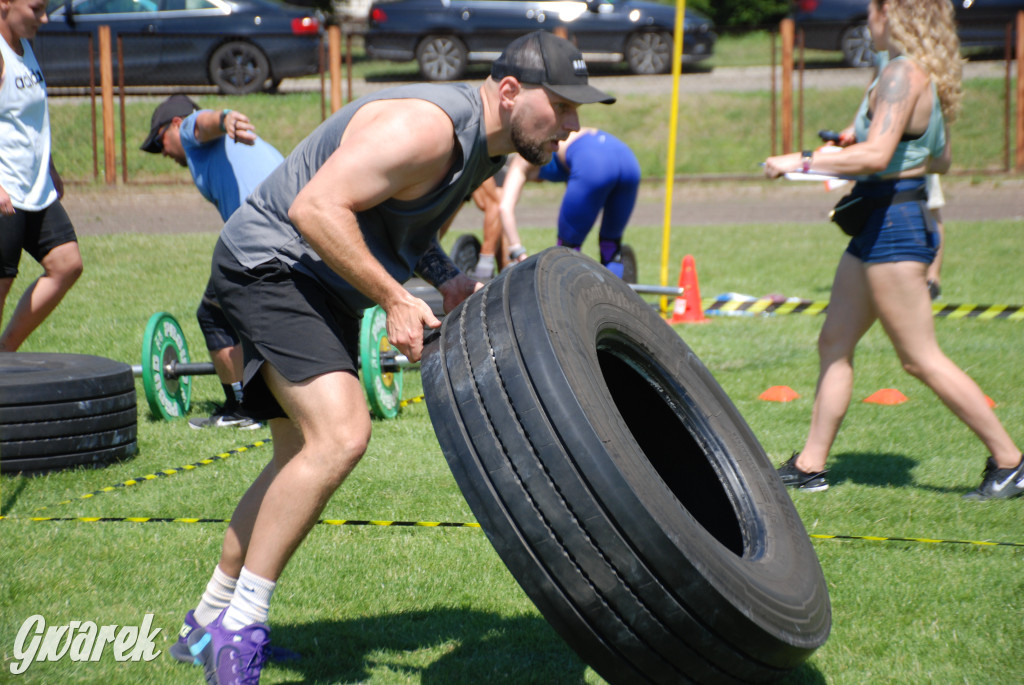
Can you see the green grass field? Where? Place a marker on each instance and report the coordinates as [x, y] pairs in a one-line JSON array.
[[427, 605], [383, 605]]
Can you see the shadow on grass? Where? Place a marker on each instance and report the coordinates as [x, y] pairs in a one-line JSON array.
[[878, 470], [12, 496], [474, 647]]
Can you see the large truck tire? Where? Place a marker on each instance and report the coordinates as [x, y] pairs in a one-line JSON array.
[[61, 410], [618, 482]]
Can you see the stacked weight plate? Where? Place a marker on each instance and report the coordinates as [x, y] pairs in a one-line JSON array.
[[60, 410]]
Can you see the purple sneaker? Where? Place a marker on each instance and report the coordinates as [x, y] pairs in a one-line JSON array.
[[179, 650], [230, 658]]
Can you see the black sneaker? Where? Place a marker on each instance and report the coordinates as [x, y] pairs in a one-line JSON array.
[[628, 259], [224, 419], [997, 483], [792, 477]]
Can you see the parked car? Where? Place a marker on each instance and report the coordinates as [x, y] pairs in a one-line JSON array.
[[842, 25], [445, 36], [240, 46]]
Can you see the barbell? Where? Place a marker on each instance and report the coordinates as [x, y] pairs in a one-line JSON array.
[[167, 369]]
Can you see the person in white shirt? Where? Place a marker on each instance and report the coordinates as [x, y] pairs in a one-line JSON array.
[[31, 216]]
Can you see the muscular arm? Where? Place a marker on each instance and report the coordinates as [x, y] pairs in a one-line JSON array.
[[391, 149], [237, 127], [437, 269]]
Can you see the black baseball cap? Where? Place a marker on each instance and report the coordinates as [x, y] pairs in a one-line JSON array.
[[174, 106], [542, 58]]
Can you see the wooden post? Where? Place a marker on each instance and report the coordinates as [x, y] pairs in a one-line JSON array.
[[348, 67], [774, 105], [1020, 91], [120, 97], [107, 89], [800, 95], [92, 107], [322, 67], [786, 31], [1007, 95], [334, 64]]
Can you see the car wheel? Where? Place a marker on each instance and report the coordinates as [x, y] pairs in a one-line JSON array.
[[238, 68], [466, 252], [618, 483], [649, 52], [442, 58], [856, 46]]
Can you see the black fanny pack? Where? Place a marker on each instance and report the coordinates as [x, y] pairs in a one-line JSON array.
[[852, 211]]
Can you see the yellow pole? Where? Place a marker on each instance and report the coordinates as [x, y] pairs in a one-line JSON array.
[[670, 164]]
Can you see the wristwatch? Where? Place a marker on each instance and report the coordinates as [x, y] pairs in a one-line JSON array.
[[223, 115], [805, 160]]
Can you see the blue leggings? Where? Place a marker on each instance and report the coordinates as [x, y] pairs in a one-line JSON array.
[[603, 176]]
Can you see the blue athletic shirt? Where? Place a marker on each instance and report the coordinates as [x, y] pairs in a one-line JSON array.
[[225, 172]]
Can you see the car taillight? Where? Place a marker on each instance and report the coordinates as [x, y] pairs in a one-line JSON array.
[[304, 26], [378, 16], [807, 5]]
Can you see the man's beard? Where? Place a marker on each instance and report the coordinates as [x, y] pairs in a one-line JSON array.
[[532, 151]]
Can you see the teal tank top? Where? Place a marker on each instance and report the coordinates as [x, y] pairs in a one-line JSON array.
[[909, 154]]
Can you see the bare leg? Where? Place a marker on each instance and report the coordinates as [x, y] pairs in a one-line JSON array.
[[317, 450], [904, 308], [487, 198], [287, 441], [227, 362], [61, 268], [850, 315]]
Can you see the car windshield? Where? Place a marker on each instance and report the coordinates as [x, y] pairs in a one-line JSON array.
[[129, 6]]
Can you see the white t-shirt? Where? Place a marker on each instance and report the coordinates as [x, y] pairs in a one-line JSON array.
[[24, 131]]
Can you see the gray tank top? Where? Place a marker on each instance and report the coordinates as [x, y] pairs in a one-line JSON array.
[[397, 232]]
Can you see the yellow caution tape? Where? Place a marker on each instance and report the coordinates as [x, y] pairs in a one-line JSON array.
[[455, 524], [770, 306]]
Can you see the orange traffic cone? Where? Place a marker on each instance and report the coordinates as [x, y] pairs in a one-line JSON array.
[[886, 396], [688, 308], [779, 393]]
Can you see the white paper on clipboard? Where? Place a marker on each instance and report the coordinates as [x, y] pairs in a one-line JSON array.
[[831, 182]]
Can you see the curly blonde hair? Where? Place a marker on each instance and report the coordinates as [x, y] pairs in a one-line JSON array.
[[925, 31]]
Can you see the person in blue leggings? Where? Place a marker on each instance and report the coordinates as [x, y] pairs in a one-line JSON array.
[[601, 175]]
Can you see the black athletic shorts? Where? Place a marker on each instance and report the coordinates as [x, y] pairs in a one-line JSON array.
[[286, 319], [35, 232], [217, 330]]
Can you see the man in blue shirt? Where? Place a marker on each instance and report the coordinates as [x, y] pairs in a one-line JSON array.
[[207, 142]]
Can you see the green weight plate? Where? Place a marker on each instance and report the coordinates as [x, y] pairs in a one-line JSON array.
[[383, 388], [162, 343]]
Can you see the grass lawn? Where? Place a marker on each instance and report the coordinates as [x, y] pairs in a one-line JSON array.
[[368, 604], [383, 605]]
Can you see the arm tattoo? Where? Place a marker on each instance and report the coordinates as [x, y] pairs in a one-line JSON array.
[[435, 267], [894, 90]]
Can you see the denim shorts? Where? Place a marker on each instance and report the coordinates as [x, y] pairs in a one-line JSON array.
[[286, 319], [904, 232]]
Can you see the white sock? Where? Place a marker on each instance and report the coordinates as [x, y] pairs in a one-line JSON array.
[[217, 596], [251, 602], [484, 266]]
